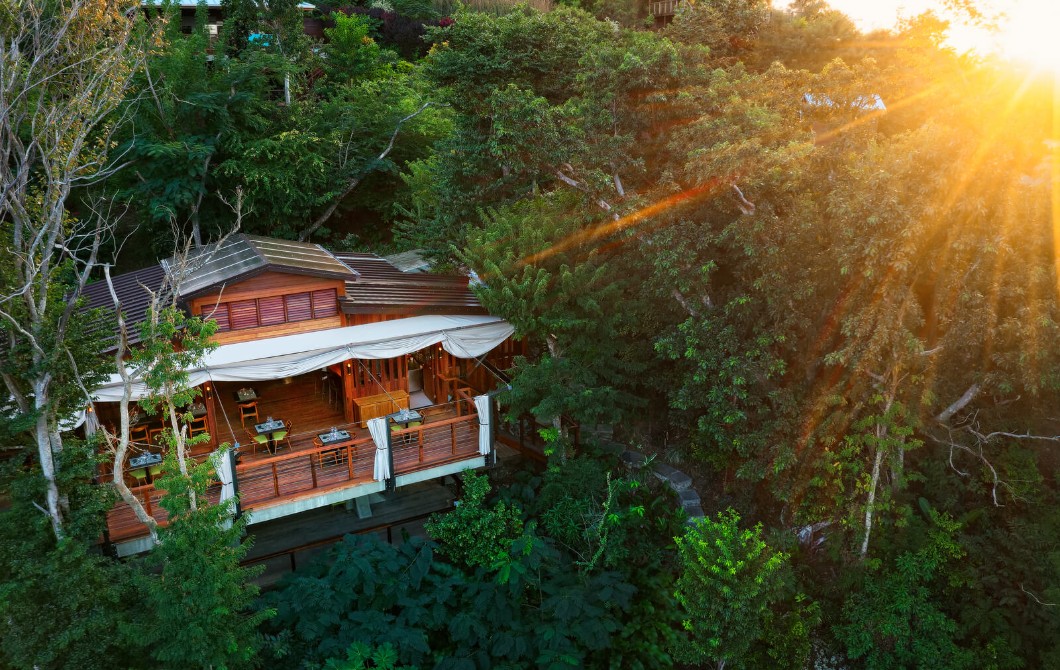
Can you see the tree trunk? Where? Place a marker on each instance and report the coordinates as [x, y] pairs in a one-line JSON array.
[[869, 511], [181, 448], [556, 352], [47, 466]]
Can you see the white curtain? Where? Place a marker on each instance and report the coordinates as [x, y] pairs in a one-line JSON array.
[[291, 355], [381, 436], [482, 404], [91, 422], [222, 463]]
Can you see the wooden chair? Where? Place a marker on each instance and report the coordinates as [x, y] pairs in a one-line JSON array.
[[139, 434], [414, 437], [335, 456], [407, 438], [248, 410], [257, 440], [284, 435], [156, 435], [197, 426]]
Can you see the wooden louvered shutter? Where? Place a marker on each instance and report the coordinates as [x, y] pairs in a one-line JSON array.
[[298, 307], [271, 310], [218, 313], [325, 303], [244, 314]]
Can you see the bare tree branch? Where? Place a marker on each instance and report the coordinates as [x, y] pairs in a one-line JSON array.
[[356, 181], [959, 404]]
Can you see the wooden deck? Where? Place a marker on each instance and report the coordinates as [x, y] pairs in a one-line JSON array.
[[449, 434], [301, 402]]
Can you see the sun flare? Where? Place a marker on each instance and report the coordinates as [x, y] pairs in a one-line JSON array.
[[1027, 32]]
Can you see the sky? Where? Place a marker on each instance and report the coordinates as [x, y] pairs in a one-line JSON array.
[[1026, 28]]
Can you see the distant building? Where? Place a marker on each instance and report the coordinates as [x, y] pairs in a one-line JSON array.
[[312, 23]]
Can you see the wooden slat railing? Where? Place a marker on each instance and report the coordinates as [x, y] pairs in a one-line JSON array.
[[663, 7], [295, 473], [122, 523], [435, 443], [276, 478]]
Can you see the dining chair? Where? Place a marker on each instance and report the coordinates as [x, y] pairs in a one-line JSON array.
[[197, 426], [154, 471], [395, 427], [140, 475], [332, 455], [248, 410], [257, 440], [284, 435], [139, 434], [155, 435]]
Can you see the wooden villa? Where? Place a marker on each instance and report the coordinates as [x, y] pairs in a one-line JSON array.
[[329, 347]]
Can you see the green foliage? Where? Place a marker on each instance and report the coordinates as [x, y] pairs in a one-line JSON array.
[[290, 125], [730, 582], [554, 287], [476, 534], [361, 657], [62, 604], [198, 597], [727, 27], [894, 622], [193, 577], [534, 605]]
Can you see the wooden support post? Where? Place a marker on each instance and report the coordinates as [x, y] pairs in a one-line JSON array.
[[313, 470], [208, 393], [275, 481], [391, 483], [347, 390]]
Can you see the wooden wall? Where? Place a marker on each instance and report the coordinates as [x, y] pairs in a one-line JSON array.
[[265, 285]]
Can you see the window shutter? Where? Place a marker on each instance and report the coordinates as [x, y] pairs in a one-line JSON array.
[[325, 303], [271, 310], [244, 314], [218, 313], [298, 307]]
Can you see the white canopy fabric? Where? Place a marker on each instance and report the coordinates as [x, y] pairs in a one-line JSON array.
[[290, 355], [482, 404], [381, 436]]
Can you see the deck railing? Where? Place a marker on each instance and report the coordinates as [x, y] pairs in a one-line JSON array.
[[304, 470], [434, 443], [263, 481], [122, 523], [663, 7]]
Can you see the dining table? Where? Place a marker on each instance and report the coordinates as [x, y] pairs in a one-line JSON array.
[[269, 427], [405, 417], [334, 438], [145, 459]]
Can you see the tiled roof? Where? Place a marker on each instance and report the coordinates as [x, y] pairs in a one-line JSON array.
[[134, 291]]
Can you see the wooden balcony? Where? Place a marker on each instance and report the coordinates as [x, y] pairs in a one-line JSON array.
[[122, 523], [660, 8], [449, 434]]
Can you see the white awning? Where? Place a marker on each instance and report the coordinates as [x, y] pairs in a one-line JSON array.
[[290, 355]]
